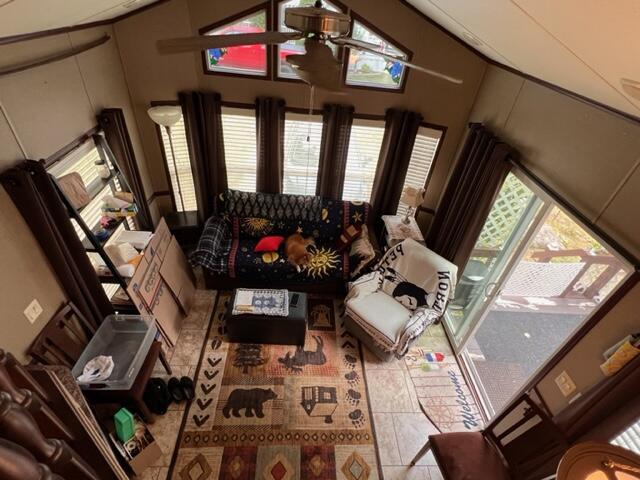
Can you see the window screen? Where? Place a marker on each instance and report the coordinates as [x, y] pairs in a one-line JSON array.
[[422, 156], [302, 136], [239, 132], [362, 159], [182, 187]]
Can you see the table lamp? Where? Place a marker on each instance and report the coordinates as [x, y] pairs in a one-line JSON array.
[[598, 461], [413, 197]]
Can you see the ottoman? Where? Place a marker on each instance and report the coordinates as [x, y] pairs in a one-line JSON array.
[[289, 330]]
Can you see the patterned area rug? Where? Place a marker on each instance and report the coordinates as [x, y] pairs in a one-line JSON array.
[[440, 386], [275, 412]]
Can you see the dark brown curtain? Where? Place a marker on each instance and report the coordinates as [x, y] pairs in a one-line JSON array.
[[203, 122], [270, 141], [36, 198], [476, 179], [401, 128], [334, 147], [118, 143]]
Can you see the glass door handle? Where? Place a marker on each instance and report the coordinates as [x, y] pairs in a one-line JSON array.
[[490, 289]]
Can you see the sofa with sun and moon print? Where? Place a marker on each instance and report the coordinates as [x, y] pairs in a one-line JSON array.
[[226, 247]]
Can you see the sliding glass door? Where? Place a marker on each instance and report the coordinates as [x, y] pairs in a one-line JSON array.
[[534, 277]]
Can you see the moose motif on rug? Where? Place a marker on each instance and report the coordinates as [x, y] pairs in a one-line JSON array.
[[302, 357]]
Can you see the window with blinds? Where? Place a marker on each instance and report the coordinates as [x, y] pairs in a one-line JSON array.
[[240, 149], [302, 137], [422, 156], [179, 167], [362, 159], [83, 161]]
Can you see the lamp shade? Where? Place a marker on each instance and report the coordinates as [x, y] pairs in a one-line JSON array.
[[412, 196], [165, 115], [598, 461]]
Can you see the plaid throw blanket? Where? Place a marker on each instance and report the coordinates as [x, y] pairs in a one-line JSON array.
[[213, 247]]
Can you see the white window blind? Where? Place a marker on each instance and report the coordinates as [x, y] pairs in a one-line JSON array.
[[302, 136], [630, 438], [182, 187], [239, 132], [424, 151], [362, 159], [83, 161]]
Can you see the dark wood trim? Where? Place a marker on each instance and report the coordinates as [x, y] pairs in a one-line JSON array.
[[445, 31], [246, 106], [303, 111], [443, 132], [595, 318], [161, 193], [369, 116], [345, 61], [56, 57], [275, 51], [543, 402], [156, 103], [557, 198], [526, 76], [62, 30], [427, 210], [569, 93], [70, 147], [267, 7]]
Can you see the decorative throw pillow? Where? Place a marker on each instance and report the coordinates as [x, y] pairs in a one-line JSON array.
[[347, 237], [361, 249], [269, 244]]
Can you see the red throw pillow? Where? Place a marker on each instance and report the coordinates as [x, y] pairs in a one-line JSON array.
[[347, 237], [269, 244]]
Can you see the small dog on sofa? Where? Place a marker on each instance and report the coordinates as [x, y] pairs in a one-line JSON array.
[[295, 248]]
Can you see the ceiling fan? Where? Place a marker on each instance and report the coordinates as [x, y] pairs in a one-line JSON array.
[[318, 27]]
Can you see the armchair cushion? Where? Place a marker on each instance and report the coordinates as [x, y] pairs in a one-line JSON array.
[[380, 316], [407, 292]]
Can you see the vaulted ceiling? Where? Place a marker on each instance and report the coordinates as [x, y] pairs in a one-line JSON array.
[[586, 46], [18, 17]]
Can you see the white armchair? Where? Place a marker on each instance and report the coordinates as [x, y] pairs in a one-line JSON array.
[[408, 291]]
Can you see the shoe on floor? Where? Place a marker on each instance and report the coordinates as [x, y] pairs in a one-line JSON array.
[[188, 388], [175, 389]]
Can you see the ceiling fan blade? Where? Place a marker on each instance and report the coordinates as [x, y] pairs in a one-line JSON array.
[[205, 42], [408, 64], [352, 42]]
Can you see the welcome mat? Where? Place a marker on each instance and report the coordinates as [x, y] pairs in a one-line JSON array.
[[440, 386], [279, 412]]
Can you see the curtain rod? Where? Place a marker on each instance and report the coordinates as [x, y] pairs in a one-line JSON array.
[[55, 57], [629, 257]]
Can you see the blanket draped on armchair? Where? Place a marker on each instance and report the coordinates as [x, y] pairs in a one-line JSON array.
[[417, 278]]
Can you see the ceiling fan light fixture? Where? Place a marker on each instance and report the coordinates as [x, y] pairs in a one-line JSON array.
[[631, 87]]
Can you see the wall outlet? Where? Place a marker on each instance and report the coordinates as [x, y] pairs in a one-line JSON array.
[[33, 311], [565, 383]]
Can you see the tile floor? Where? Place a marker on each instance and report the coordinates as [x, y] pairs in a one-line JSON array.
[[400, 427]]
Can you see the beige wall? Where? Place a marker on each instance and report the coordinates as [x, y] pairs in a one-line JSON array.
[[591, 158], [154, 77], [48, 107]]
